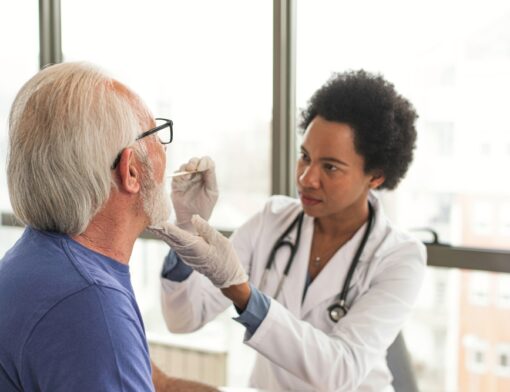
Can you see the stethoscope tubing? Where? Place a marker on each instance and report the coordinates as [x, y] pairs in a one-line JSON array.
[[355, 259], [281, 242], [333, 310]]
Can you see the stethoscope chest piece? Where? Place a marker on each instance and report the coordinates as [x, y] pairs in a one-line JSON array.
[[337, 311]]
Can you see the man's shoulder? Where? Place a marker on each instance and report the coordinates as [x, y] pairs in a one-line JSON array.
[[97, 329], [38, 266], [35, 276], [108, 307]]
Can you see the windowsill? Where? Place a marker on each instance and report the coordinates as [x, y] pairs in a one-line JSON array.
[[193, 341]]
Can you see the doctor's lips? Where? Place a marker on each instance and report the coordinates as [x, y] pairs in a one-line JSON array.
[[308, 200]]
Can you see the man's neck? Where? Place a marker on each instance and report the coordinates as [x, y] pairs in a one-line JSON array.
[[112, 235]]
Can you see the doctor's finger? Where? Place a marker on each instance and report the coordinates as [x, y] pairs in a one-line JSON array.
[[183, 180], [173, 235], [205, 163], [204, 230], [210, 181], [192, 164]]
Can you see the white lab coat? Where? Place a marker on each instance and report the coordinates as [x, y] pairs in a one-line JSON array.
[[299, 347]]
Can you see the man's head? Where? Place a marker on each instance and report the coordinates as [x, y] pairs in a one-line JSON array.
[[66, 127]]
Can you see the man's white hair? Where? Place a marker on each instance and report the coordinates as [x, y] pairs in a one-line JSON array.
[[66, 126]]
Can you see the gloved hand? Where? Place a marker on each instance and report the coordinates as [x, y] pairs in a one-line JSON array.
[[209, 252], [195, 193]]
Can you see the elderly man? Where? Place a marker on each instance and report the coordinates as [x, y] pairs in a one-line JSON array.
[[86, 175]]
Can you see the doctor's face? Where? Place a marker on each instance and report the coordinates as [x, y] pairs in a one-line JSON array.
[[330, 175]]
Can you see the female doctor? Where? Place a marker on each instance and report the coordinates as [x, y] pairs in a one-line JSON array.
[[323, 284]]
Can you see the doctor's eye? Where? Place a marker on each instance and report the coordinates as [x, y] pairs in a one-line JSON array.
[[303, 156], [329, 167]]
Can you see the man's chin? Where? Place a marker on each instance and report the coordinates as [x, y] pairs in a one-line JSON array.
[[162, 211], [158, 220], [158, 207]]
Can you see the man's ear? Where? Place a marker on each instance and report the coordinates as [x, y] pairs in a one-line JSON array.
[[128, 172], [377, 180]]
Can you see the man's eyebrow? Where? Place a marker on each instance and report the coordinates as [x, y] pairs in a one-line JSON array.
[[327, 159]]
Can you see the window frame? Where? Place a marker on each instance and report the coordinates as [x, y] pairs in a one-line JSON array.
[[283, 129]]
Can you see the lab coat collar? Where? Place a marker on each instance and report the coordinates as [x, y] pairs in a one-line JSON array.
[[329, 283]]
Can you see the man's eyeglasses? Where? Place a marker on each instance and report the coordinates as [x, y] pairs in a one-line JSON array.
[[165, 129]]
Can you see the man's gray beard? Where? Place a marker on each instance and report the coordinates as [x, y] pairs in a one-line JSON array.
[[156, 201]]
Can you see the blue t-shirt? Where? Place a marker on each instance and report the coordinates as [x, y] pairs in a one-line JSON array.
[[68, 320]]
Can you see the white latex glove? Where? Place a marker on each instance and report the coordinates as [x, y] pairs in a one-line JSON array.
[[195, 193], [209, 252]]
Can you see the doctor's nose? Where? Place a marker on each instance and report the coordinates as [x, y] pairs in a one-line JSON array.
[[309, 177]]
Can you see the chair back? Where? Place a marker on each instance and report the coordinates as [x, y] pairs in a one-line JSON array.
[[399, 362]]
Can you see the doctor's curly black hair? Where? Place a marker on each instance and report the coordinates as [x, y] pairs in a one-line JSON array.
[[382, 120]]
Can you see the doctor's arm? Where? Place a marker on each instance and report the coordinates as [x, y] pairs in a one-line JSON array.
[[188, 299], [189, 304], [213, 255], [176, 270], [251, 304], [339, 360]]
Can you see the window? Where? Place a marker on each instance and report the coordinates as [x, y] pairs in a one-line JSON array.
[[439, 138], [503, 359], [211, 75], [482, 218], [476, 354], [504, 219], [504, 291], [431, 333], [479, 288], [457, 74], [207, 65], [19, 62], [452, 61]]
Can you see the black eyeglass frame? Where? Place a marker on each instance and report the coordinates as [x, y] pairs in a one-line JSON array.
[[167, 123]]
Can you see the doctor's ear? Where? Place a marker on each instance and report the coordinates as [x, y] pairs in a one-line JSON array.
[[377, 180]]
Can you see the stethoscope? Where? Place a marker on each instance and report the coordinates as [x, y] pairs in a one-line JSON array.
[[339, 309]]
